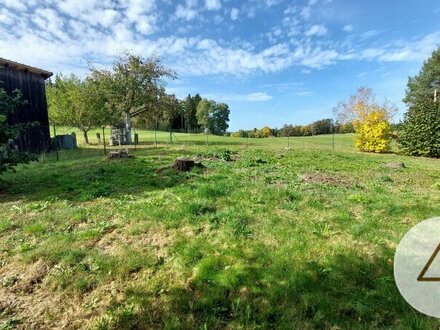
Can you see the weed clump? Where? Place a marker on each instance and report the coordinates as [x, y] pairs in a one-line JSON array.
[[223, 154]]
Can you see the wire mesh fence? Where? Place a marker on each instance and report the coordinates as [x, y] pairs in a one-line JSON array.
[[98, 143]]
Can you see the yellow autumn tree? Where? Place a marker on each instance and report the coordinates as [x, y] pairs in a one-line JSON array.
[[266, 131], [370, 120], [373, 133]]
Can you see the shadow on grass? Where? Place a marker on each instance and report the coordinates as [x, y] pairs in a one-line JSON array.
[[86, 174], [268, 291]]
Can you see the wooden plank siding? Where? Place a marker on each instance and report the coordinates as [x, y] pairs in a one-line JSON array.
[[31, 82]]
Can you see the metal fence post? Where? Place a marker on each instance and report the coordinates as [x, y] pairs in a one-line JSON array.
[[333, 138], [155, 135], [56, 142], [171, 134]]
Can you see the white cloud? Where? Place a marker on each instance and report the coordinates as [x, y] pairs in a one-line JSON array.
[[186, 13], [316, 30], [348, 28], [14, 4], [304, 93], [419, 49], [137, 8], [291, 10], [292, 88], [258, 97], [146, 24], [213, 4], [368, 34], [66, 35], [234, 14], [252, 97], [305, 12], [318, 58]]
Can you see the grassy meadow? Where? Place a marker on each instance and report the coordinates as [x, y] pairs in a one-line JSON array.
[[263, 236]]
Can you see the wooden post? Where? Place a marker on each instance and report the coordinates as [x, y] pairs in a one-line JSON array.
[[103, 140], [136, 139]]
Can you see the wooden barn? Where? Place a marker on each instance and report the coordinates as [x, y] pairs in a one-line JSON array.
[[35, 136]]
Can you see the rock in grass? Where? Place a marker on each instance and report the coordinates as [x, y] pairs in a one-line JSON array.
[[119, 154], [395, 165]]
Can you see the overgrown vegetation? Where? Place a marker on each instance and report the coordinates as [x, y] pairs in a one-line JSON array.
[[10, 156], [297, 238]]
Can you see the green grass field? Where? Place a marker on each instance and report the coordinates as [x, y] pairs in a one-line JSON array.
[[300, 237]]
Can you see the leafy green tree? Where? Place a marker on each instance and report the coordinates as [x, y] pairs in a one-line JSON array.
[[420, 131], [190, 111], [133, 85], [10, 156], [323, 126], [213, 116], [204, 118], [220, 118], [74, 102]]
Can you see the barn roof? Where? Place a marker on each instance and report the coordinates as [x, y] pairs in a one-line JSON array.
[[24, 67]]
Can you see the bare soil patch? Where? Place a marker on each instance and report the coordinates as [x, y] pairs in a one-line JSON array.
[[331, 179]]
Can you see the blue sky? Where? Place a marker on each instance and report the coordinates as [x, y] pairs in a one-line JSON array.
[[272, 61]]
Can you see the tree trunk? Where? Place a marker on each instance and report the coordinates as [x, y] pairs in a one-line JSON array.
[[86, 137], [128, 128]]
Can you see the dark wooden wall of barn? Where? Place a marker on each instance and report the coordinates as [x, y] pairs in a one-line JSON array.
[[36, 137]]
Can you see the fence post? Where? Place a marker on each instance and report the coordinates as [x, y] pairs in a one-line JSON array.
[[136, 139], [288, 141], [333, 137], [56, 142], [155, 135], [247, 139], [103, 141], [171, 134]]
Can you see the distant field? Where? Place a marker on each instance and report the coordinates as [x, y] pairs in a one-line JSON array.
[[292, 238], [342, 142]]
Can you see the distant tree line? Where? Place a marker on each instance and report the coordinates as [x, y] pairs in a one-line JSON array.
[[132, 94], [323, 126]]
